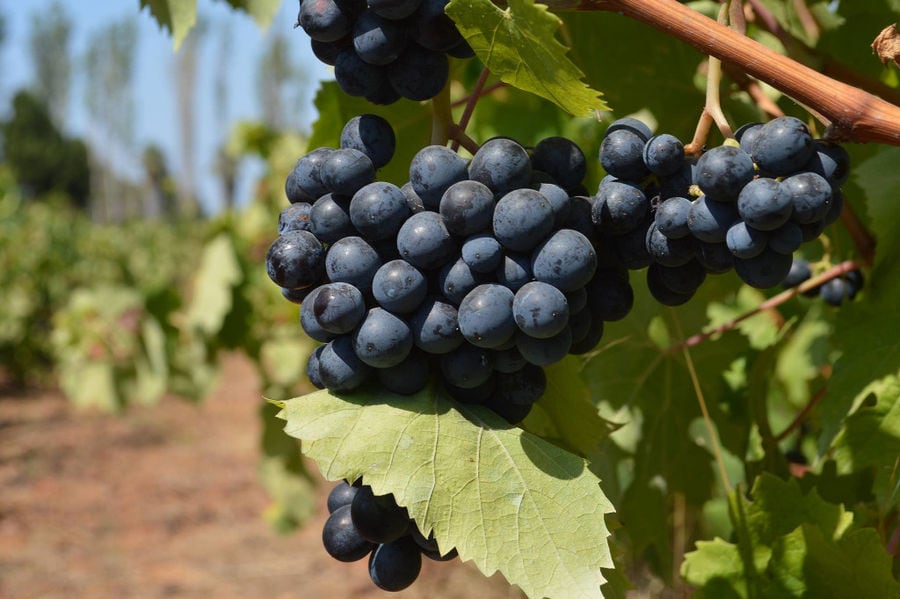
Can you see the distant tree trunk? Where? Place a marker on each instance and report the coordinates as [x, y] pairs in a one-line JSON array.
[[50, 56], [186, 85]]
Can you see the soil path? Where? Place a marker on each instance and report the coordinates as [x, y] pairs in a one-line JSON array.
[[164, 502]]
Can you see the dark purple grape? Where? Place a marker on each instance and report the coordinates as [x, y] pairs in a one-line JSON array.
[[396, 565], [341, 538], [372, 135], [560, 158], [522, 219], [502, 165], [722, 172], [378, 40], [782, 146], [486, 316], [294, 260], [378, 210], [418, 73], [435, 326], [467, 207], [663, 154], [622, 154]]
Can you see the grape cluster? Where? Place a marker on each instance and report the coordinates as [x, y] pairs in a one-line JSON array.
[[383, 50], [362, 523], [832, 292], [746, 205], [481, 272]]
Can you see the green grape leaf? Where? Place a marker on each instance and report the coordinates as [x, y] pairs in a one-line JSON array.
[[866, 329], [565, 414], [218, 273], [762, 330], [808, 563], [176, 16], [518, 45], [504, 498], [411, 122], [715, 568]]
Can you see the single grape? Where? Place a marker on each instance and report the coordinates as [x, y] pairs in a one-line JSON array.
[[663, 154], [764, 205], [295, 217], [340, 368], [425, 242], [378, 518], [660, 292], [378, 210], [294, 260], [485, 316], [709, 221], [799, 272], [566, 260], [378, 40], [341, 539], [338, 307], [744, 241], [513, 413], [323, 20], [435, 326], [429, 546], [356, 77], [522, 219], [304, 184], [540, 310], [834, 292], [418, 73], [342, 494], [515, 271], [835, 208], [830, 161], [782, 146], [560, 202], [722, 172], [855, 282], [619, 207], [394, 566], [811, 196], [399, 287], [312, 368], [308, 321], [560, 158], [672, 217], [502, 165], [330, 217], [621, 154], [327, 52], [467, 366], [352, 260], [433, 170], [483, 253], [746, 135], [525, 386], [456, 280], [467, 207], [372, 135], [579, 217], [346, 171], [383, 339], [590, 340], [630, 124]]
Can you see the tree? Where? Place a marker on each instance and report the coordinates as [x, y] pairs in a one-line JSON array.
[[49, 41], [42, 158], [746, 439]]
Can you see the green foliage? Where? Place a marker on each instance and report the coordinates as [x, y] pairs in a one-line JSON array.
[[503, 497], [179, 16], [791, 544], [518, 44], [42, 159]]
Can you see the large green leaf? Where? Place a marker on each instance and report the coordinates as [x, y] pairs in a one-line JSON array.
[[518, 44], [218, 274], [503, 497]]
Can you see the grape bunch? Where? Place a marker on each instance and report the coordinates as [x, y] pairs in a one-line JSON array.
[[383, 50], [746, 205], [363, 524], [479, 271], [832, 292]]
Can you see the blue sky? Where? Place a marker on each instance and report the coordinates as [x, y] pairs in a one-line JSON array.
[[155, 95]]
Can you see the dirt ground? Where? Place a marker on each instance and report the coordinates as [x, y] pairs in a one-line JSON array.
[[164, 502]]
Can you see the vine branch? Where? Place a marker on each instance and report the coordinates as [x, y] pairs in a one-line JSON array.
[[855, 114]]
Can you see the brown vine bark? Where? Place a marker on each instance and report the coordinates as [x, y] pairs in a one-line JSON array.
[[855, 115]]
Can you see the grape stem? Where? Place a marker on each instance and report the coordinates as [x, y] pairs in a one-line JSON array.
[[460, 138], [485, 92], [801, 417], [470, 106], [855, 114], [712, 108], [770, 304]]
